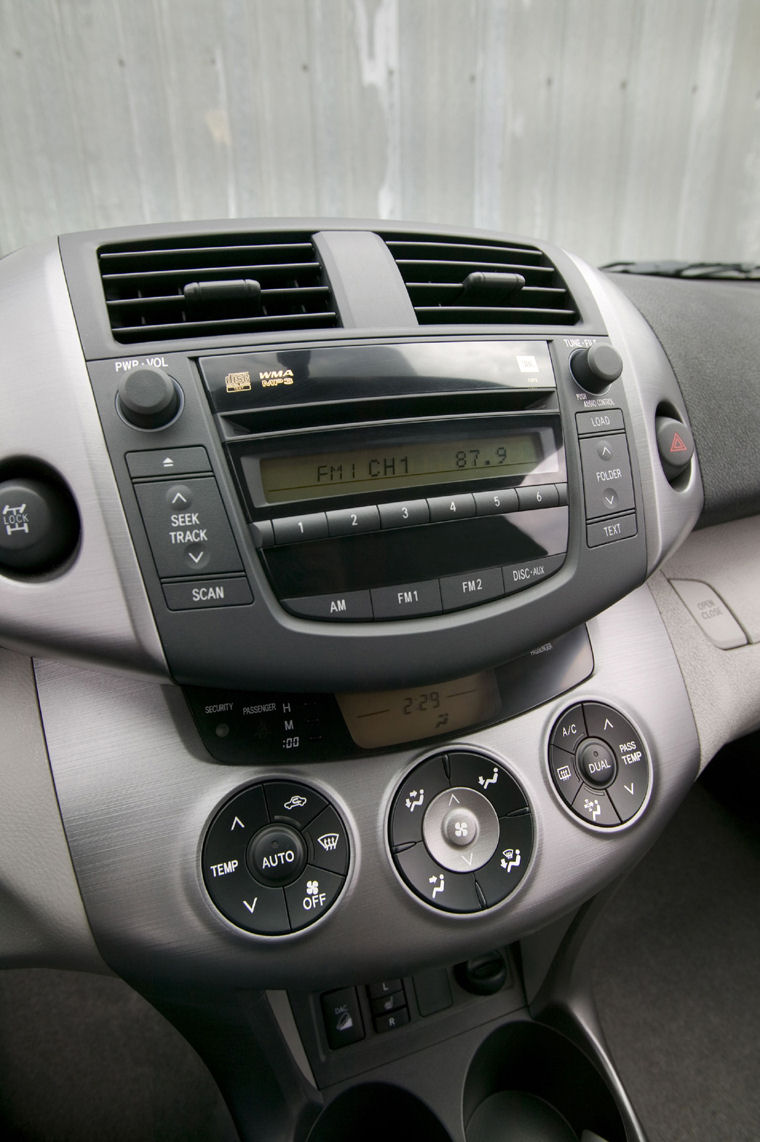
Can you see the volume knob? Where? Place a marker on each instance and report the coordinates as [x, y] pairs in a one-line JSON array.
[[596, 367], [148, 398]]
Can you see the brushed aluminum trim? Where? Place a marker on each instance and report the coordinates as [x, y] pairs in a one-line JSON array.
[[137, 789], [96, 609]]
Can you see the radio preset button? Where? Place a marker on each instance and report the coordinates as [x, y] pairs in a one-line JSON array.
[[351, 606], [353, 521], [408, 513], [407, 600], [520, 575], [496, 503], [293, 529], [443, 508], [468, 590], [537, 496]]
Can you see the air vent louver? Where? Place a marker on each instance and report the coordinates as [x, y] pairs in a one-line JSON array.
[[214, 285], [468, 281]]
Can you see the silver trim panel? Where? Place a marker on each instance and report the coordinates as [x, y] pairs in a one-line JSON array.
[[137, 790], [96, 610]]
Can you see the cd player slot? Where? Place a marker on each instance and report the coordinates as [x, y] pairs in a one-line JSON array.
[[253, 422]]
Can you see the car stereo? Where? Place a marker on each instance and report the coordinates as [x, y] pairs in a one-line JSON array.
[[452, 501]]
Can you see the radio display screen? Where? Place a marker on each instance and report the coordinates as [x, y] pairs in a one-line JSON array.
[[390, 466]]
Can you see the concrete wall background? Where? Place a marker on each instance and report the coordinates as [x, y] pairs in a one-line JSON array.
[[619, 128]]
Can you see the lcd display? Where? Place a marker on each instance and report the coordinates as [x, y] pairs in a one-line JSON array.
[[391, 717], [387, 467]]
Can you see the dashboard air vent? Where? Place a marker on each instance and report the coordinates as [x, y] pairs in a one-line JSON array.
[[468, 281], [214, 285]]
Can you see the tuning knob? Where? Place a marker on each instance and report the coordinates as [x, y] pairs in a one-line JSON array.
[[596, 367], [148, 398]]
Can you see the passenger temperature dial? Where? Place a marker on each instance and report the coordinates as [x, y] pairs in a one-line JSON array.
[[275, 857], [461, 832]]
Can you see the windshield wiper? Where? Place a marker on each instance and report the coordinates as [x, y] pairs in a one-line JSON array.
[[730, 271]]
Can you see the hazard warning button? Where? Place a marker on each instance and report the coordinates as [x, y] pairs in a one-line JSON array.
[[675, 444]]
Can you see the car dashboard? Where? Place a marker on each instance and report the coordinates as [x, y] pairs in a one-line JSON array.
[[372, 597]]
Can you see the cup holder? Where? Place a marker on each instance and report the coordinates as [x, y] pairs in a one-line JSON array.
[[528, 1083], [377, 1112]]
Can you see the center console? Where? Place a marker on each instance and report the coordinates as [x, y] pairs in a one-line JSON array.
[[385, 687]]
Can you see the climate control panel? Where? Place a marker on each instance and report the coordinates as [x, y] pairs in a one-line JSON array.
[[599, 764], [275, 857], [461, 831]]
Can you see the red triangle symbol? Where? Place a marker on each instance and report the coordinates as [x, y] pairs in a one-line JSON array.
[[678, 444]]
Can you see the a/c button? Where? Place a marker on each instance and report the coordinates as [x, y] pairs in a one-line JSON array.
[[351, 606]]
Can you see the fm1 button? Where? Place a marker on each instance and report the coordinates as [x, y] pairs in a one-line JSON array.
[[277, 855], [596, 763], [311, 895], [595, 806]]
